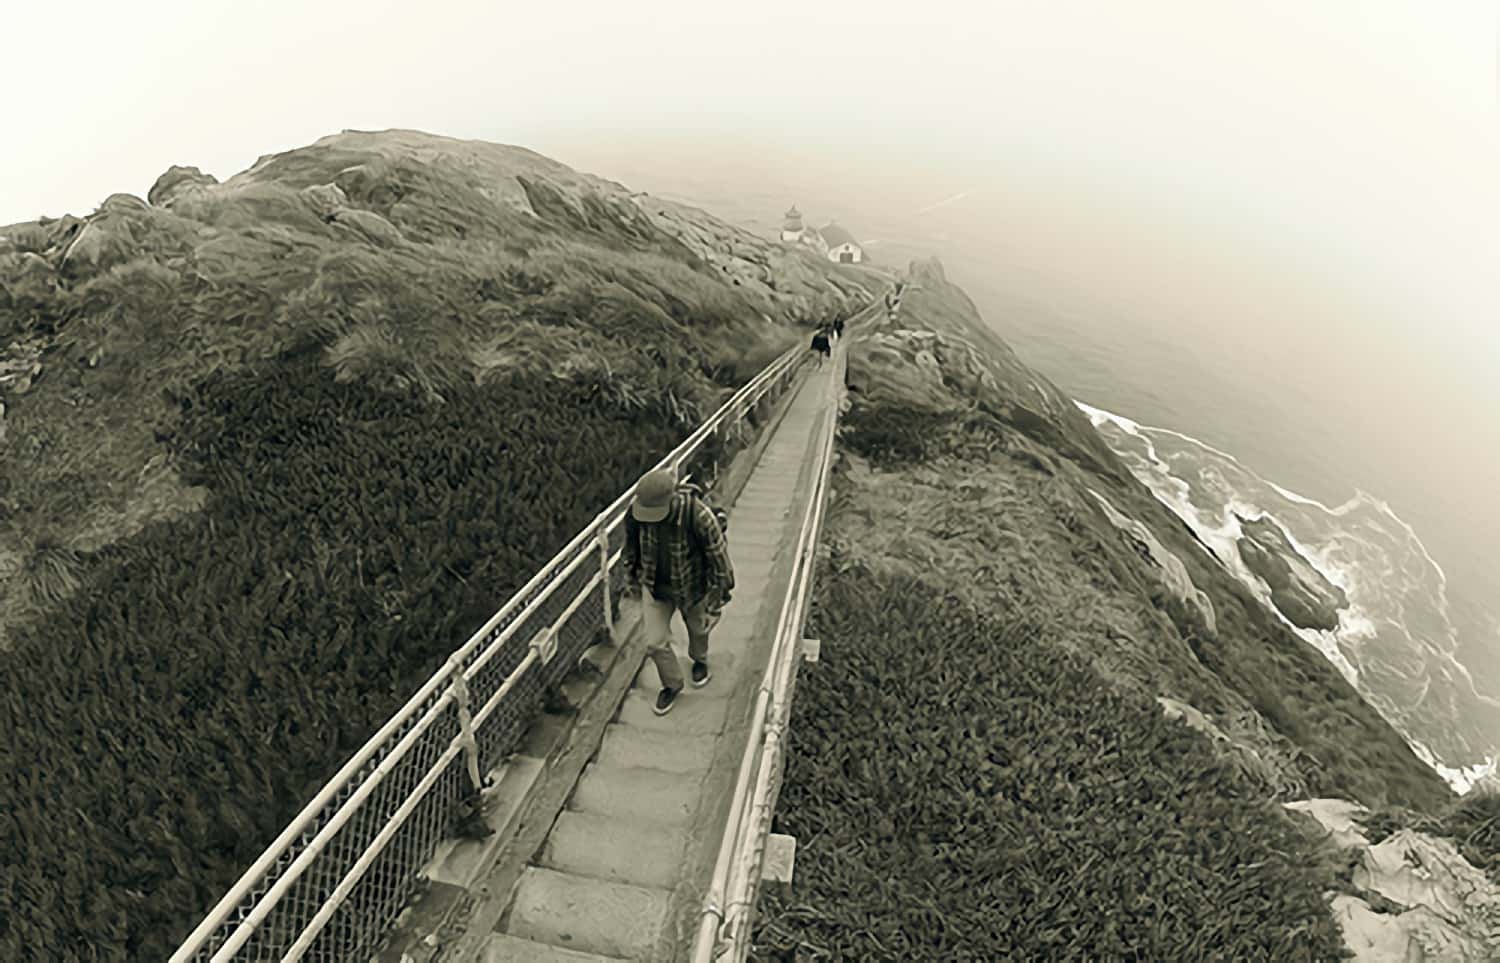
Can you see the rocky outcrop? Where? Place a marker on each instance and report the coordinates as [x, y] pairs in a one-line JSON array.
[[1170, 573], [1298, 590], [27, 281], [1244, 738], [784, 275], [177, 183], [1415, 897], [123, 202], [365, 226], [326, 199], [20, 366]]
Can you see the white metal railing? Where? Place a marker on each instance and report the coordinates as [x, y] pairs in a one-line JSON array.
[[728, 907], [281, 907]]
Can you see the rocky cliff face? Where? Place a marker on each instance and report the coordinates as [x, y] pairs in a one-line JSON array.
[[980, 469]]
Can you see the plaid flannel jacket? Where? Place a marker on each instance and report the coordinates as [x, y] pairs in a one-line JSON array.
[[691, 575]]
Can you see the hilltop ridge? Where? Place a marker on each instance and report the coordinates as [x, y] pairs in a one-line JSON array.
[[272, 447]]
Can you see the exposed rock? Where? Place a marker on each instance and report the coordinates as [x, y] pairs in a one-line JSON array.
[[1167, 567], [1008, 389], [20, 366], [367, 225], [179, 182], [106, 239], [1429, 902], [1298, 590], [928, 271], [326, 199], [923, 371], [1339, 818], [27, 279], [1245, 739], [1197, 720], [123, 202]]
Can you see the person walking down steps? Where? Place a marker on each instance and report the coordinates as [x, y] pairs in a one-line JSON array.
[[821, 345], [676, 554]]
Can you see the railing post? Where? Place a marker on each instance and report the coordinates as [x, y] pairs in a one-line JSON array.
[[604, 585], [460, 689]]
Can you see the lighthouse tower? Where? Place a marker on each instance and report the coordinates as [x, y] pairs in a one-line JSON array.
[[791, 228]]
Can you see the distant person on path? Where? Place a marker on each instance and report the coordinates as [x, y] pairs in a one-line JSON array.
[[838, 328], [676, 554], [821, 346]]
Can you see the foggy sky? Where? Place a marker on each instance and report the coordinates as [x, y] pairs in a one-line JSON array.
[[1293, 163], [1361, 134]]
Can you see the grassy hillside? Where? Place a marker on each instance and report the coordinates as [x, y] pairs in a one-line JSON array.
[[294, 437], [980, 765]]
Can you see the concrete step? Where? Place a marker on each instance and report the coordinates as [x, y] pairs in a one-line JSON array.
[[456, 860], [772, 504], [696, 711], [754, 568], [614, 849], [762, 543], [638, 793], [728, 635], [758, 522], [667, 750], [589, 915], [757, 527], [749, 591], [771, 491], [764, 539], [504, 948]]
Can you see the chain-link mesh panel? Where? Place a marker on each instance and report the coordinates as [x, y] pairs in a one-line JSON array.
[[355, 928], [287, 917], [302, 899]]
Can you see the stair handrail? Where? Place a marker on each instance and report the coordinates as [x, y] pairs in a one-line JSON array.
[[728, 905], [466, 659]]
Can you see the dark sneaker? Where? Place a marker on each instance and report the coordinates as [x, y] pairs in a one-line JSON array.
[[665, 700], [700, 673]]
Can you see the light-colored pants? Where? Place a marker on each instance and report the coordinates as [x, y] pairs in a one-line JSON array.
[[656, 617]]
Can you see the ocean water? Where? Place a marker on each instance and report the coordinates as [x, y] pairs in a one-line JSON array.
[[1396, 642]]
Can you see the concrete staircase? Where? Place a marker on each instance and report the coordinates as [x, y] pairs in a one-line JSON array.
[[626, 862]]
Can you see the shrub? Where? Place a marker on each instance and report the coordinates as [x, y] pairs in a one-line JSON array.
[[213, 672], [893, 436], [961, 790]]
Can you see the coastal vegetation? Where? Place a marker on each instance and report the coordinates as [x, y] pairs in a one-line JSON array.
[[961, 790], [1027, 736], [293, 439]]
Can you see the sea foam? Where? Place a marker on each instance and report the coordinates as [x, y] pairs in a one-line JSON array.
[[1395, 642]]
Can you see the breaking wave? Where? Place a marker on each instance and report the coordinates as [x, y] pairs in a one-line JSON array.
[[1395, 642]]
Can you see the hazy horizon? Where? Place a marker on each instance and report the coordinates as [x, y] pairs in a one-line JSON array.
[[1290, 210]]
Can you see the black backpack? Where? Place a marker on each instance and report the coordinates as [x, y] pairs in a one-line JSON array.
[[694, 491]]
